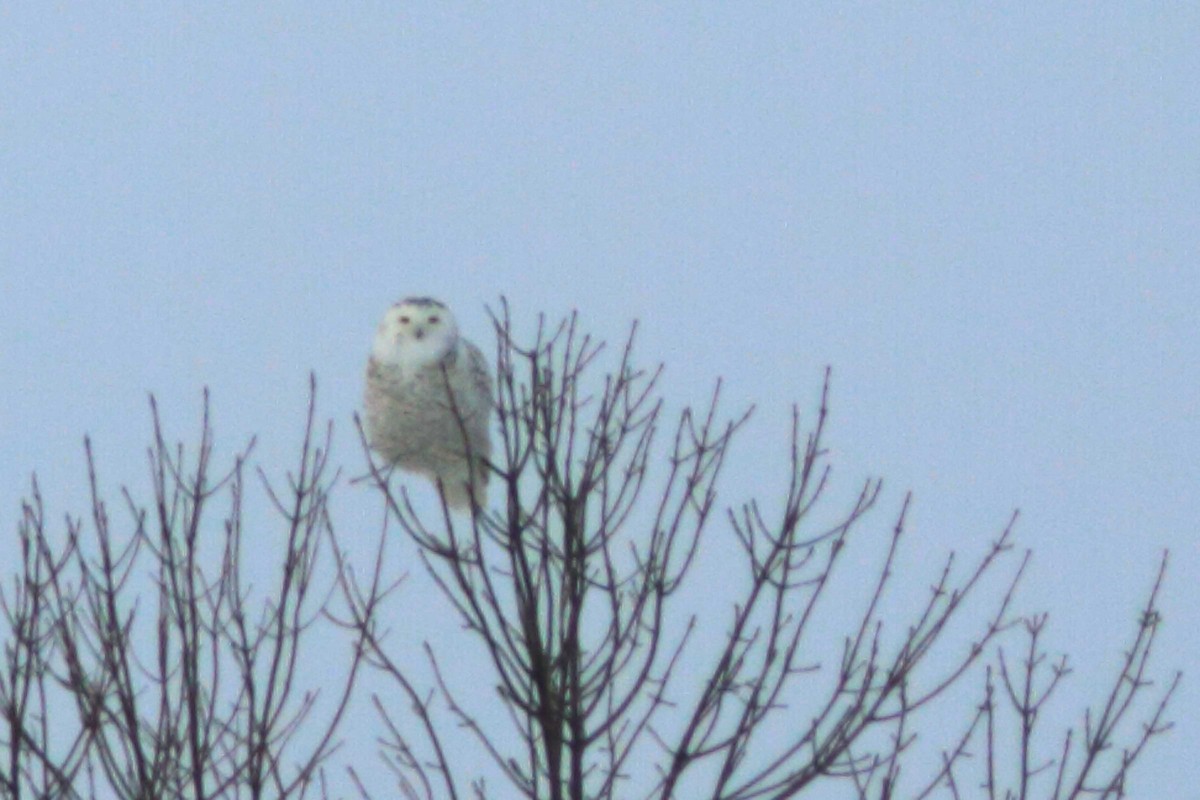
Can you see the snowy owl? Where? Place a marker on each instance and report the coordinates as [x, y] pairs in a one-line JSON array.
[[411, 417]]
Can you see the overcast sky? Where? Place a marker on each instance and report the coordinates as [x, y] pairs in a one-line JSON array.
[[986, 221]]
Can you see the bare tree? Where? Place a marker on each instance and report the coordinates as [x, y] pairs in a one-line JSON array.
[[575, 582], [1096, 764], [141, 661]]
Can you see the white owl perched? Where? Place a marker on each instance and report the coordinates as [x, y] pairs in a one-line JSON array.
[[411, 421]]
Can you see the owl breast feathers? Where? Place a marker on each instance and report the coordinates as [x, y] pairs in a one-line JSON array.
[[428, 400]]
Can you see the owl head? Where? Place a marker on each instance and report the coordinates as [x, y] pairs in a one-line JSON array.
[[415, 332]]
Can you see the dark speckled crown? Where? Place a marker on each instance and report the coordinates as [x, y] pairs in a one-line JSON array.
[[423, 302]]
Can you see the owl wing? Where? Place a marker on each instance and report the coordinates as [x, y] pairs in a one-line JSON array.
[[479, 376], [473, 386]]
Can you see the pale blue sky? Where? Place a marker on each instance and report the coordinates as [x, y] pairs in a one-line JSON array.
[[986, 220]]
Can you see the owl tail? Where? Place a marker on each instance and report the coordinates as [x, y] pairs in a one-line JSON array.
[[456, 488]]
